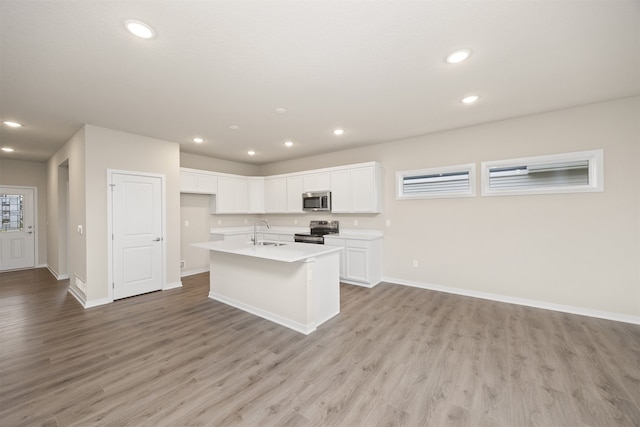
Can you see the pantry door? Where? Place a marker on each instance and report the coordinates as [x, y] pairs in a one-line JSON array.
[[137, 233], [18, 232]]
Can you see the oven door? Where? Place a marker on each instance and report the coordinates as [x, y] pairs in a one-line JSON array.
[[307, 238]]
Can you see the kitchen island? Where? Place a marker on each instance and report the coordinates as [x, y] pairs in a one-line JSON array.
[[296, 285]]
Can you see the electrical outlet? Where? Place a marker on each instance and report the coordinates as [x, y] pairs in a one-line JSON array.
[[295, 221], [355, 222], [181, 264], [219, 222], [246, 221], [415, 262], [388, 223], [186, 222]]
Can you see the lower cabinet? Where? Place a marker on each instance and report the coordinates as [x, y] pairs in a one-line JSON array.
[[360, 261]]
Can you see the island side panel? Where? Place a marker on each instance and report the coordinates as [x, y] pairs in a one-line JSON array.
[[326, 287], [275, 290]]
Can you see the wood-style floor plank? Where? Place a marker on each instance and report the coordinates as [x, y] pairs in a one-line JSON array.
[[394, 356]]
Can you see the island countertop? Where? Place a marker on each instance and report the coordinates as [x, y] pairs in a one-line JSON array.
[[288, 252]]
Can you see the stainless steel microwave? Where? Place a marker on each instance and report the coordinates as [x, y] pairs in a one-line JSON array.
[[316, 201]]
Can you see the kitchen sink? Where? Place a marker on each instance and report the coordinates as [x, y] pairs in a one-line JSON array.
[[263, 243]]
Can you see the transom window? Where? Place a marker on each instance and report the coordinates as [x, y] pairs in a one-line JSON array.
[[448, 181], [557, 173]]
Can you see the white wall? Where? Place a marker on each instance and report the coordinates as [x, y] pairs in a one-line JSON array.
[[194, 208], [578, 250], [89, 154], [30, 174], [110, 149], [75, 263]]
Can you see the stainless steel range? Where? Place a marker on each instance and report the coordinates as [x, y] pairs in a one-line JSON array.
[[318, 229]]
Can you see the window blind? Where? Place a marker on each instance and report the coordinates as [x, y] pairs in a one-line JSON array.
[[455, 182], [561, 174]]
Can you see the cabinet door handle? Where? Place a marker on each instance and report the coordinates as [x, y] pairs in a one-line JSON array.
[[157, 239]]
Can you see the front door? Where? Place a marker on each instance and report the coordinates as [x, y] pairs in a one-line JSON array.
[[18, 232], [137, 215]]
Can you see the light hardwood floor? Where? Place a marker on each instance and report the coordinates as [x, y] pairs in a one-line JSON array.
[[394, 356]]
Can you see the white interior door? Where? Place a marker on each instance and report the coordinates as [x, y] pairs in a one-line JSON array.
[[137, 215], [18, 232]]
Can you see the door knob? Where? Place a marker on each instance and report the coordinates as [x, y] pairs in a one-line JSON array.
[[157, 239]]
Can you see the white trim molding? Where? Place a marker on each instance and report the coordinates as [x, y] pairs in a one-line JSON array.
[[525, 168], [195, 271], [55, 273], [173, 285], [296, 326], [625, 318]]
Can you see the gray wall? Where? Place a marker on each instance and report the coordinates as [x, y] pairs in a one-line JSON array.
[[30, 174], [580, 250]]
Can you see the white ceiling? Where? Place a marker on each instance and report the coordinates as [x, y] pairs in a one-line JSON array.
[[375, 68]]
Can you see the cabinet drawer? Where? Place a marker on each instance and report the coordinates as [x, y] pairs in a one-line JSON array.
[[357, 244]]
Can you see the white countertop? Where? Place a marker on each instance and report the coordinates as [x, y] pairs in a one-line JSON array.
[[225, 231], [356, 234], [359, 234], [289, 252]]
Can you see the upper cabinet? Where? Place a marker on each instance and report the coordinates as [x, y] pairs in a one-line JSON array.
[[294, 193], [256, 194], [357, 189], [198, 182], [316, 182], [232, 195], [283, 194], [354, 189], [275, 194]]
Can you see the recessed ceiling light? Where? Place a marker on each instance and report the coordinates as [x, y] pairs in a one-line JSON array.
[[198, 140], [12, 124], [338, 132], [458, 56], [140, 29], [234, 127], [288, 143], [280, 110], [251, 153], [7, 149], [469, 99]]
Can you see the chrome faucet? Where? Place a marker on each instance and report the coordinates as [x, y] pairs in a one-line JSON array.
[[255, 229]]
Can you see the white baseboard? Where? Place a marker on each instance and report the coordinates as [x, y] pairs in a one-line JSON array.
[[364, 285], [98, 302], [55, 273], [192, 272], [77, 295], [298, 327], [173, 285], [520, 301]]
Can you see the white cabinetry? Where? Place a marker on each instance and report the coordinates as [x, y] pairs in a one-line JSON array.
[[360, 261], [275, 190], [199, 183], [256, 195], [316, 182], [356, 190], [232, 195], [294, 194], [341, 191]]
